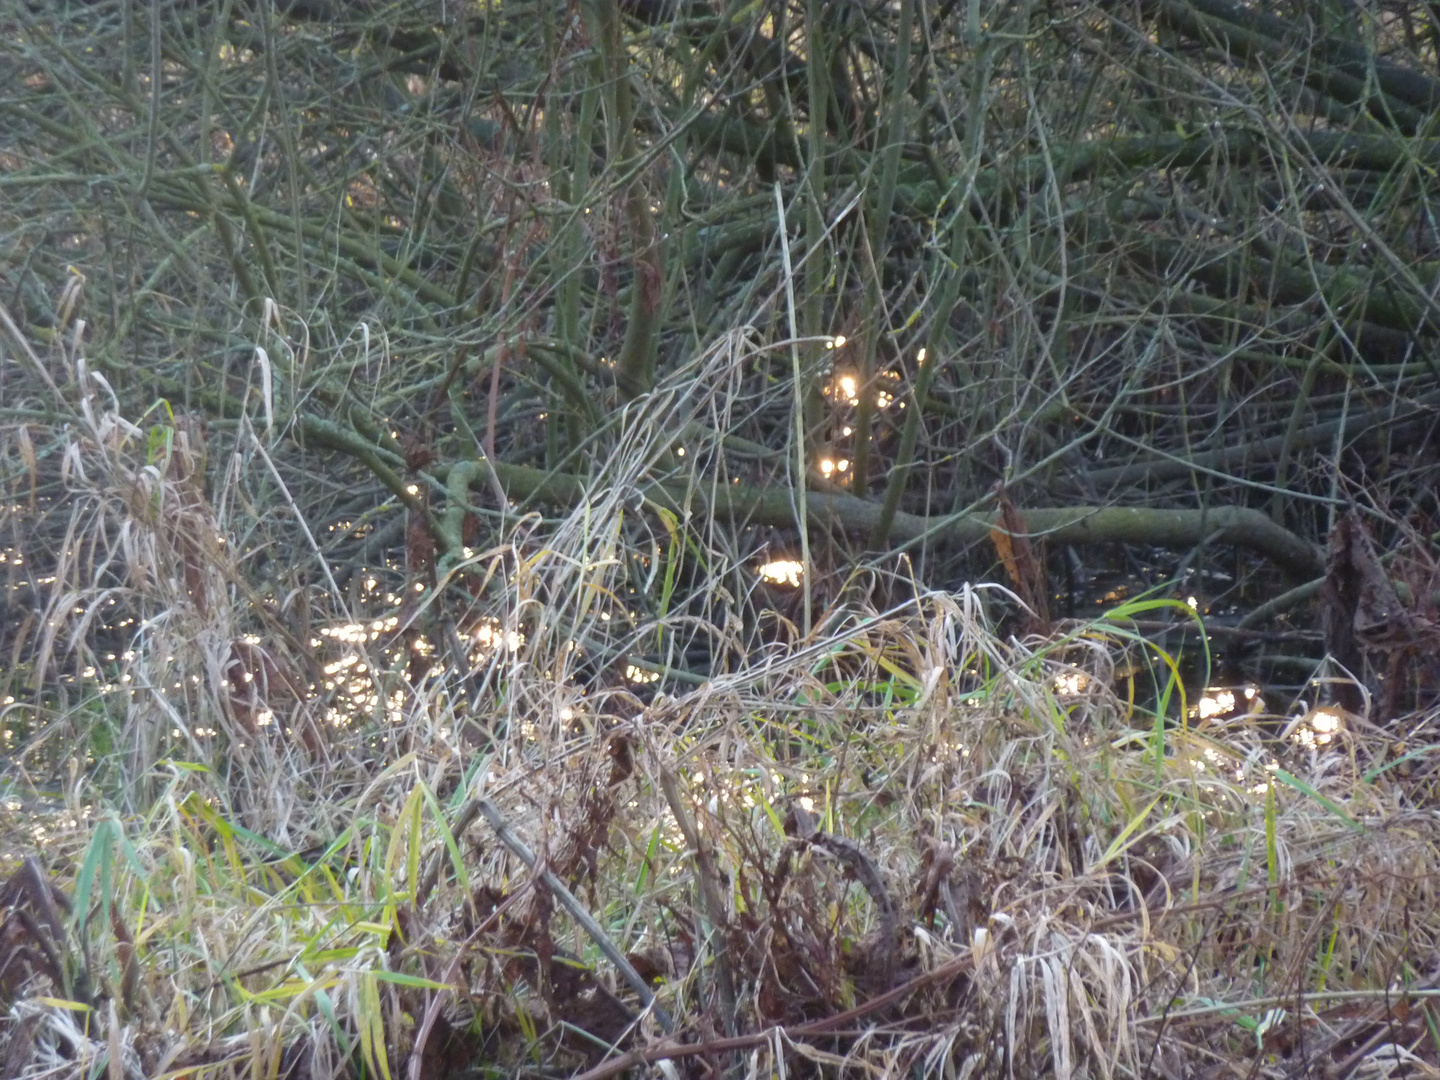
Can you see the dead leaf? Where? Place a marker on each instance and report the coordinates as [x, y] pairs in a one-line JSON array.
[[1026, 571]]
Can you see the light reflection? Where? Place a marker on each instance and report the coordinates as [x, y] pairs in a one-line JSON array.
[[1316, 728], [639, 675], [491, 635], [1215, 703], [782, 572], [1228, 703]]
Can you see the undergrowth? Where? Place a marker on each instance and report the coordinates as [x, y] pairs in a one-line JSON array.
[[271, 839]]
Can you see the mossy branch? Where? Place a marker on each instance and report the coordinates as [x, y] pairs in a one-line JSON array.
[[849, 515]]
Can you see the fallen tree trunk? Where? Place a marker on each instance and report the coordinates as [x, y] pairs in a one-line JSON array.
[[848, 514], [836, 512]]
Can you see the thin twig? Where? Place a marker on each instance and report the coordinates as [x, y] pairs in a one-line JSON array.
[[577, 911]]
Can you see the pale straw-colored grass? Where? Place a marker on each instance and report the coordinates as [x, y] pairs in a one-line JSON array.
[[904, 845]]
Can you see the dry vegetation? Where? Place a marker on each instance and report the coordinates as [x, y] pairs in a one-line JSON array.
[[903, 846], [398, 407]]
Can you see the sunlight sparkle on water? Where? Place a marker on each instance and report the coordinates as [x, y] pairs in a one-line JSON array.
[[1226, 702], [782, 572], [491, 635], [1315, 728]]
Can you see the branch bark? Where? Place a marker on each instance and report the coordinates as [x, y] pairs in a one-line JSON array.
[[847, 514]]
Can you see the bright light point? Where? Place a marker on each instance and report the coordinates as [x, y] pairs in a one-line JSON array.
[[681, 451], [1316, 728], [1192, 603], [848, 385], [489, 635], [848, 431], [412, 489], [1215, 703], [782, 572], [1069, 683], [920, 356], [839, 341], [827, 466], [842, 465]]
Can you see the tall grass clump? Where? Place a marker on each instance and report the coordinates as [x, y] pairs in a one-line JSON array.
[[482, 827]]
